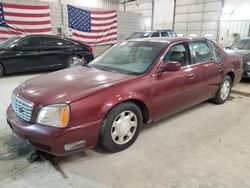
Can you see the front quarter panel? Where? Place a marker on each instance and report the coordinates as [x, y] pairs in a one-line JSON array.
[[89, 112], [96, 106]]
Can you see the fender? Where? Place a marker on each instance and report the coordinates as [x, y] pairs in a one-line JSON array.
[[120, 98]]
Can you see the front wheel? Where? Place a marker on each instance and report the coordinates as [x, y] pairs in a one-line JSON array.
[[73, 61], [121, 127], [224, 91]]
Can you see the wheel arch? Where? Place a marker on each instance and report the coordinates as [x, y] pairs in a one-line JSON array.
[[232, 75], [138, 102]]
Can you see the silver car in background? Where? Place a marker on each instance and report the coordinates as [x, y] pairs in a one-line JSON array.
[[154, 33], [242, 48]]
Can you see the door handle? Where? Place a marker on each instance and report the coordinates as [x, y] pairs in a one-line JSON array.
[[190, 76]]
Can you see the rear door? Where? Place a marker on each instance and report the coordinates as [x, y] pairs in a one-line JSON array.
[[57, 51], [208, 71]]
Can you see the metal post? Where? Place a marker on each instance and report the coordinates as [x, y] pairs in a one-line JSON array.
[[153, 10], [62, 21], [174, 15], [218, 29]]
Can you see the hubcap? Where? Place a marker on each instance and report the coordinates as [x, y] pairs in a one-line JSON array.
[[124, 127], [73, 61], [225, 90]]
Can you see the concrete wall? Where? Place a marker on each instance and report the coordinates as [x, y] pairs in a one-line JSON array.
[[142, 7]]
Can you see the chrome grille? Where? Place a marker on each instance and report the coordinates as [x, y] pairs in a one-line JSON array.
[[22, 108]]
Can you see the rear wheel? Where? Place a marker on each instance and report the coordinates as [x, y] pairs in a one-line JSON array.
[[1, 71], [224, 91], [73, 61], [121, 127]]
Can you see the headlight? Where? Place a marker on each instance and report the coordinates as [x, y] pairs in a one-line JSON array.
[[56, 115]]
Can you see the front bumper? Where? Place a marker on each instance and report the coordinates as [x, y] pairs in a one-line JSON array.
[[54, 140]]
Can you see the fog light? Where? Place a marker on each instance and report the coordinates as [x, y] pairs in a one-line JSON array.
[[75, 145]]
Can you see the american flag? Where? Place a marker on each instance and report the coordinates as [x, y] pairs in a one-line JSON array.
[[92, 27], [23, 19]]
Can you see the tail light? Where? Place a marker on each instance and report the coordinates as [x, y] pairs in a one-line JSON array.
[[90, 49]]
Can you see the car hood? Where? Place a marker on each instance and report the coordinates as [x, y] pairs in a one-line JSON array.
[[68, 85]]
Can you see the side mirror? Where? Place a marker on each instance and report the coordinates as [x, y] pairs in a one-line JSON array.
[[169, 66], [14, 47]]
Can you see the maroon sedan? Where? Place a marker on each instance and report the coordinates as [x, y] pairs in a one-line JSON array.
[[107, 101]]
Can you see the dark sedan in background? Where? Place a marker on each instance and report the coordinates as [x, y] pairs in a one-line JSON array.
[[40, 52], [242, 48]]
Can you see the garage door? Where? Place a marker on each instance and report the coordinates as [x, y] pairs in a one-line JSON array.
[[198, 18]]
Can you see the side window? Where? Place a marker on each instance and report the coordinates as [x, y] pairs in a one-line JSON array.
[[30, 42], [201, 51], [155, 34], [56, 42], [216, 52], [172, 34], [179, 53], [164, 34], [247, 45]]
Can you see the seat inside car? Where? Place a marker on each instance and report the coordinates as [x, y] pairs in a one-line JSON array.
[[179, 57]]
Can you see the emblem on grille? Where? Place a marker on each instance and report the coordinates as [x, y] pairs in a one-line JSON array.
[[20, 110]]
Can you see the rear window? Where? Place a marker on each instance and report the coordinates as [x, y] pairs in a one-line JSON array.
[[164, 34]]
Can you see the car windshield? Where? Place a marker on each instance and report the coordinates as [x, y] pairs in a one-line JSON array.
[[8, 42], [139, 35], [128, 57]]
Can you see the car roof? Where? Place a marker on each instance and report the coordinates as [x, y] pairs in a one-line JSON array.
[[151, 31], [167, 39], [46, 35]]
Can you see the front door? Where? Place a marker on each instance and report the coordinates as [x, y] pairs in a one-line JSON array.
[[173, 90], [24, 56]]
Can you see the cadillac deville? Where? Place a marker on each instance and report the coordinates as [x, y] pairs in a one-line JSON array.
[[109, 100]]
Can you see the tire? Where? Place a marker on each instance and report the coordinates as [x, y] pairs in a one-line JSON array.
[[1, 71], [121, 127], [224, 91], [70, 61]]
